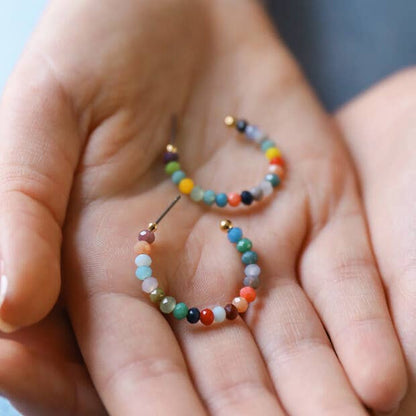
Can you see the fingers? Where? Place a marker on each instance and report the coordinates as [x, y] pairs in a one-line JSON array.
[[39, 146], [340, 276], [390, 199]]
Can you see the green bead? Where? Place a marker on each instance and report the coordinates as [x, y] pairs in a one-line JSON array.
[[249, 257], [157, 295], [197, 194], [172, 167], [167, 304], [244, 245], [267, 144], [180, 311]]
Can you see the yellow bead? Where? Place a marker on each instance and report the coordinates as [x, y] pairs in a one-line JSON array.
[[186, 185], [273, 152]]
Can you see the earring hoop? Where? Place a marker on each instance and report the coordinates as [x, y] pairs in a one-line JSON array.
[[207, 316], [271, 181]]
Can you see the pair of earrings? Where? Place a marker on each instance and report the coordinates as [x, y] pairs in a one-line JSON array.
[[251, 282]]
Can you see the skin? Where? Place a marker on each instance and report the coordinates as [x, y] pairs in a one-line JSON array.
[[83, 122]]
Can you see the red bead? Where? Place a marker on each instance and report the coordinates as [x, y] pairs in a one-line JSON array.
[[277, 160], [248, 293], [147, 235], [207, 316], [234, 199]]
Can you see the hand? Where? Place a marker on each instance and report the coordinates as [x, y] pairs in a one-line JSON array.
[[379, 128], [83, 123]]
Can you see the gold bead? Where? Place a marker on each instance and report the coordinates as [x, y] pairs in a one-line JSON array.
[[171, 148], [229, 121], [152, 226], [226, 225]]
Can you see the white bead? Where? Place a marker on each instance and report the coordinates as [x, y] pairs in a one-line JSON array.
[[143, 260], [219, 314], [149, 284], [266, 187], [252, 270]]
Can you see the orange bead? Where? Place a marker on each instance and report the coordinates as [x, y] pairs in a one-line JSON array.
[[278, 170], [277, 160], [241, 304], [234, 199], [142, 247], [248, 293]]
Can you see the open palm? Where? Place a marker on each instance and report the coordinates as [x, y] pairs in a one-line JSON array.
[[87, 114]]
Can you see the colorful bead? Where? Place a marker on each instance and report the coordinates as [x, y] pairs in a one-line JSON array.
[[170, 157], [278, 160], [143, 272], [241, 304], [142, 247], [248, 293], [234, 199], [157, 295], [172, 167], [149, 284], [267, 144], [252, 281], [178, 176], [246, 198], [244, 245], [219, 314], [167, 304], [180, 311], [207, 317], [249, 257], [252, 270], [221, 200], [272, 152], [257, 193], [209, 197], [143, 260], [266, 187], [147, 235], [186, 185], [197, 194], [234, 234], [241, 125], [277, 169], [253, 132], [273, 179], [193, 315], [231, 312]]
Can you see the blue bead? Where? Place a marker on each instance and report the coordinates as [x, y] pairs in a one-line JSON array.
[[249, 257], [209, 197], [235, 234], [143, 272], [273, 179], [253, 132], [221, 200], [178, 176], [267, 144]]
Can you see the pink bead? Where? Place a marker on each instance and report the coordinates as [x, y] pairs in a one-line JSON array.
[[146, 235]]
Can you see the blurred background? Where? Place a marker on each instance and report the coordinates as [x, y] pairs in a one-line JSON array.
[[343, 46]]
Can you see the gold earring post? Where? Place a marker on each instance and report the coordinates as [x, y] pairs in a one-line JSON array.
[[153, 225]]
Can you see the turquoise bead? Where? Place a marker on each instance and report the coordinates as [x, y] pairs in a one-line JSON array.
[[267, 144], [180, 311], [197, 194], [273, 179], [221, 200], [244, 245], [178, 176], [209, 197], [249, 257], [235, 234], [143, 272]]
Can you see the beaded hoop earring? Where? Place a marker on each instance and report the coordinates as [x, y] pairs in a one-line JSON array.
[[265, 188], [168, 304]]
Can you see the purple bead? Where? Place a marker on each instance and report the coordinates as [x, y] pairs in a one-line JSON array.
[[146, 235], [170, 157]]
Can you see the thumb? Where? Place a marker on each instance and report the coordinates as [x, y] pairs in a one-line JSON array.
[[39, 150]]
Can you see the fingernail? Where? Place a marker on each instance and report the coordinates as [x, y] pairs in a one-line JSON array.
[[4, 326]]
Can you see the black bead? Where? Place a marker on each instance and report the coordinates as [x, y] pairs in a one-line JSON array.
[[170, 157], [193, 315], [241, 125], [246, 198]]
